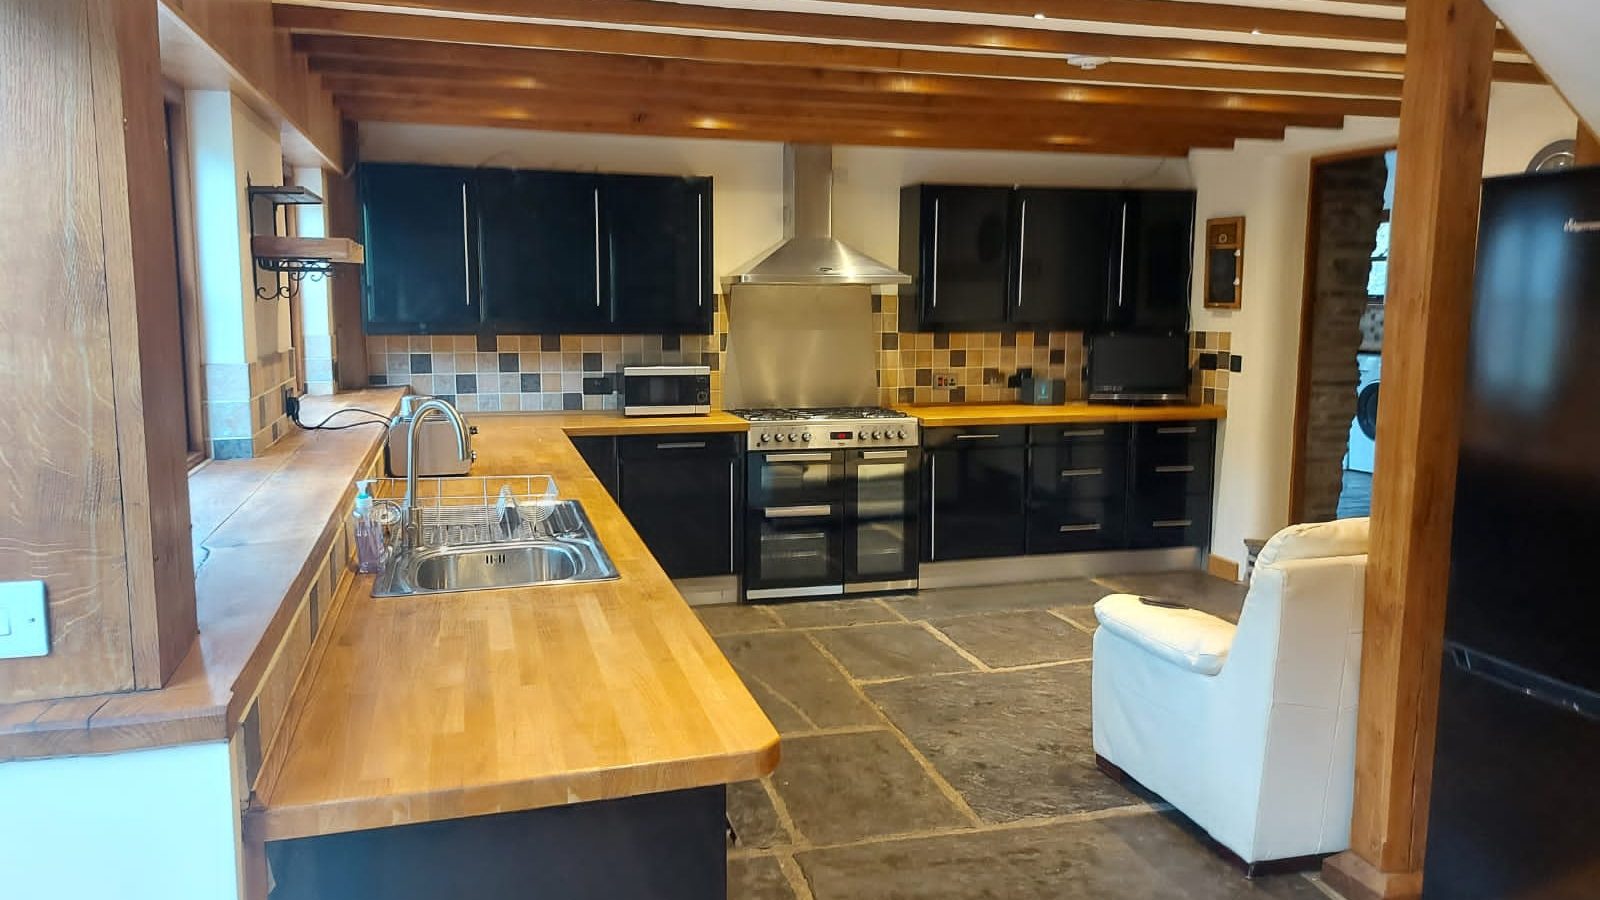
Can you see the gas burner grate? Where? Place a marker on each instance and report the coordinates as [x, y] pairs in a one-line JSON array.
[[817, 414]]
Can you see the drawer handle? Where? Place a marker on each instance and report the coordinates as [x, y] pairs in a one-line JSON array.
[[977, 437], [1170, 469], [799, 457], [885, 454], [682, 445], [1079, 473], [1088, 432], [798, 512], [1172, 523], [1072, 529], [1178, 429]]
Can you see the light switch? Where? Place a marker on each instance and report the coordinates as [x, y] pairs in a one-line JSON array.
[[24, 620]]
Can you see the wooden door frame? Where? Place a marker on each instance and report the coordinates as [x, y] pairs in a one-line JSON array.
[[1308, 302]]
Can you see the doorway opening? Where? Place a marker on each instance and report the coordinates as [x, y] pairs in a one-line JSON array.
[[1341, 335]]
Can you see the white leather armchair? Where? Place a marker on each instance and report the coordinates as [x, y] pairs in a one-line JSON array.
[[1250, 730]]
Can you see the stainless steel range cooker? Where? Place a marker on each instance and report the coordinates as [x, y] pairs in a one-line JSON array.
[[831, 502]]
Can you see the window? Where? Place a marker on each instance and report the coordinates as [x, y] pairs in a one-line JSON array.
[[177, 146]]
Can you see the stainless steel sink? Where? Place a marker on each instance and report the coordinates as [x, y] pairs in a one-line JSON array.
[[562, 549]]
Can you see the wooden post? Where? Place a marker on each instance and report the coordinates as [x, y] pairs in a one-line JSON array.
[[1588, 146], [1443, 116]]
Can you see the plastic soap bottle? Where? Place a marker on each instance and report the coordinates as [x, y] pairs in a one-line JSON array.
[[368, 531]]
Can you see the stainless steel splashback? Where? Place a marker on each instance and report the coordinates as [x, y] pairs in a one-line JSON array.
[[800, 345]]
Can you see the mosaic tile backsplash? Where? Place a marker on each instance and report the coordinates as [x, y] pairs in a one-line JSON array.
[[572, 372]]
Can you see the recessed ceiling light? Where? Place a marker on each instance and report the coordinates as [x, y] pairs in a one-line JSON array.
[[711, 123], [1038, 15], [1085, 62], [1255, 31]]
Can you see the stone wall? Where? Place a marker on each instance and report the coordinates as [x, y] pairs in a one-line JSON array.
[[1348, 197]]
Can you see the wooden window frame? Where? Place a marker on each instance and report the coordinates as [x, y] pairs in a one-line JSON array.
[[183, 227]]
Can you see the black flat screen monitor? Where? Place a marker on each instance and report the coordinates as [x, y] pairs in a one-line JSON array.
[[1138, 368]]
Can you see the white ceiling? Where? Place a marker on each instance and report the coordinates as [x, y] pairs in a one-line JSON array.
[[1561, 36]]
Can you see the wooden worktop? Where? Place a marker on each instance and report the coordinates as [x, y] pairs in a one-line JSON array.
[[454, 705], [956, 414], [610, 423]]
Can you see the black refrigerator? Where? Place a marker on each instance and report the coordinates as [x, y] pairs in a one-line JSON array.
[[1515, 811]]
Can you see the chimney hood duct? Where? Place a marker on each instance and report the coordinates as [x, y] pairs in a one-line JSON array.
[[809, 254]]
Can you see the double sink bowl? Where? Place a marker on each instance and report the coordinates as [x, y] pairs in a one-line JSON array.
[[475, 548]]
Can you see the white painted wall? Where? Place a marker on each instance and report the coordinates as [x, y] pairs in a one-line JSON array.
[[147, 825], [1268, 182]]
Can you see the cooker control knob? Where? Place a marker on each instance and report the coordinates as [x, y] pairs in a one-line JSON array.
[[877, 435], [806, 436], [901, 434], [862, 435], [765, 438], [780, 438]]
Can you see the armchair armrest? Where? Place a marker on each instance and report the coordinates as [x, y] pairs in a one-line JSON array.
[[1187, 638]]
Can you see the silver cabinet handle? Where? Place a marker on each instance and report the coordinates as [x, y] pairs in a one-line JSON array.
[[799, 457], [933, 506], [733, 464], [682, 445], [935, 285], [466, 252], [596, 248], [700, 249], [1172, 523], [1074, 529], [1122, 256], [1167, 470], [1086, 432], [885, 454], [977, 437], [1079, 473], [1177, 429], [815, 511], [1022, 250]]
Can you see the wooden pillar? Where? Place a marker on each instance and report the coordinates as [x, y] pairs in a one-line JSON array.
[[1443, 117], [1588, 146]]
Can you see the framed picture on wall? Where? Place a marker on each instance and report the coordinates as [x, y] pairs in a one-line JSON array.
[[1224, 263]]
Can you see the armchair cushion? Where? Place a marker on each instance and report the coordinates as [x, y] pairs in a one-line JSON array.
[[1315, 540], [1188, 638]]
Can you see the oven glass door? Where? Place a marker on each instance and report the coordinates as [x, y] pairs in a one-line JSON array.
[[795, 525], [801, 478], [881, 515]]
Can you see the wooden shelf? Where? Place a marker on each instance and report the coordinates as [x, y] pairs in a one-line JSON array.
[[286, 195], [329, 250]]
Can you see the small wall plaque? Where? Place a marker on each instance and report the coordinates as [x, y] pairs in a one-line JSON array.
[[1225, 263]]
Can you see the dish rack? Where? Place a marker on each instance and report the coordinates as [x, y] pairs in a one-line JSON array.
[[454, 521]]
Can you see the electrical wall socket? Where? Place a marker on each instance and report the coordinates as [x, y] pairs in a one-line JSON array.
[[944, 379], [24, 621]]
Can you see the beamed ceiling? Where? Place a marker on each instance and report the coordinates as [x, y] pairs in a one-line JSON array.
[[1162, 76]]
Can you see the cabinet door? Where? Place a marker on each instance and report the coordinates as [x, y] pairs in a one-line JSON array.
[[976, 490], [965, 249], [539, 244], [1064, 254], [657, 253], [679, 492], [601, 455], [420, 275], [1157, 251]]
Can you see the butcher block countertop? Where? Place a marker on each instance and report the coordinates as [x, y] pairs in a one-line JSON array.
[[607, 424], [453, 705], [958, 414]]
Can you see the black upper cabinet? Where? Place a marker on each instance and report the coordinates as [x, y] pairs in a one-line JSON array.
[[657, 252], [421, 273], [539, 242], [1150, 291], [955, 243], [1061, 274]]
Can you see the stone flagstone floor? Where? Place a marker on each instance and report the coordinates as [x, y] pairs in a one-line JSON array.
[[937, 745]]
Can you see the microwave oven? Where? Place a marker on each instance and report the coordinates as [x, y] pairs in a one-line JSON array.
[[665, 390], [1138, 368]]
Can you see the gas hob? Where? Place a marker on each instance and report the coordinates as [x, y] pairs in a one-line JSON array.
[[829, 428]]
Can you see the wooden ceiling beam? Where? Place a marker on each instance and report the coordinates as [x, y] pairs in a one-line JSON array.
[[386, 110], [506, 66], [485, 36], [636, 91], [714, 114]]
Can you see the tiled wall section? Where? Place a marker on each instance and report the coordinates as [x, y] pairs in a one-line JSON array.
[[244, 406], [557, 372], [1212, 363]]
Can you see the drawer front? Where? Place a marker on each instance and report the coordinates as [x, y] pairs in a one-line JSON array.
[[1081, 433], [1182, 520], [1173, 457], [975, 436], [1071, 526], [1083, 470], [723, 445]]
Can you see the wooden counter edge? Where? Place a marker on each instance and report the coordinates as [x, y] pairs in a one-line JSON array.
[[958, 415]]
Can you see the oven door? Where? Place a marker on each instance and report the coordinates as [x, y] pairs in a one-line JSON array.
[[794, 527], [880, 526]]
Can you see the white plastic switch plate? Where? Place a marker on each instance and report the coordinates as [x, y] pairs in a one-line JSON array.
[[24, 621]]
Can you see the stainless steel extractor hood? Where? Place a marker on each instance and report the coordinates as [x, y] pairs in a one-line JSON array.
[[809, 254]]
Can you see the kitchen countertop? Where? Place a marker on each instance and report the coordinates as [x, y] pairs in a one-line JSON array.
[[610, 422], [957, 414], [465, 704]]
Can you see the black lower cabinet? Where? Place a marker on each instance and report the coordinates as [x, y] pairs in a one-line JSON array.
[[681, 494], [975, 492], [670, 846], [1078, 486], [601, 455], [1169, 496]]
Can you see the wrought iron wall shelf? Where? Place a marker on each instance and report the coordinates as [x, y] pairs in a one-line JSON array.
[[297, 257]]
